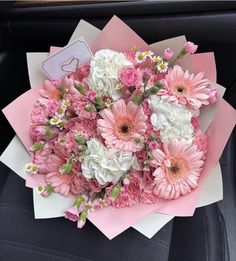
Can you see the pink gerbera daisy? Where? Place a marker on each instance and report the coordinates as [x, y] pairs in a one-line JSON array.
[[61, 183], [120, 124], [179, 169], [185, 88]]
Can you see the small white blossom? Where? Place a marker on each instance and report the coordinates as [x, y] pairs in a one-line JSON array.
[[162, 67], [31, 168]]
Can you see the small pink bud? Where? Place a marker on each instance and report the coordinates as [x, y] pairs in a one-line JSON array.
[[80, 223], [56, 82], [126, 181], [147, 73], [153, 145], [91, 95], [190, 47], [212, 96], [168, 54], [45, 194]]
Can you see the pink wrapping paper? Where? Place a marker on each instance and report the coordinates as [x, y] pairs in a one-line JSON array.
[[112, 221]]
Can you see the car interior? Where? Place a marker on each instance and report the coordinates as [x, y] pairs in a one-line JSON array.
[[34, 26]]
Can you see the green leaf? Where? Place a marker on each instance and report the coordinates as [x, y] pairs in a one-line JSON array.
[[80, 140], [83, 216], [66, 168], [78, 201], [81, 89], [90, 107], [36, 146], [115, 192], [49, 189]]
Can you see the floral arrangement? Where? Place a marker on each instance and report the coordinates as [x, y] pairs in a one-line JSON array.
[[121, 130]]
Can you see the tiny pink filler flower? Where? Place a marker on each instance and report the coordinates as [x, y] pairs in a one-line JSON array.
[[179, 169], [120, 123]]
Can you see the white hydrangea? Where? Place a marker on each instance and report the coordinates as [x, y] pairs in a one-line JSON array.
[[99, 164], [173, 120], [104, 72]]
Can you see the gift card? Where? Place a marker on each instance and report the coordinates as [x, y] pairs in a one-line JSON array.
[[67, 59]]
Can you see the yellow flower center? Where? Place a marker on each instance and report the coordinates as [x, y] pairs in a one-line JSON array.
[[163, 66], [180, 88], [140, 56], [177, 169], [124, 129]]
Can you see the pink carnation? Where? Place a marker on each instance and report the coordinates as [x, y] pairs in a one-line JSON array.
[[148, 197], [43, 132], [82, 72], [94, 185], [79, 104], [72, 214], [124, 199], [38, 115], [51, 107], [130, 76], [200, 139], [47, 161]]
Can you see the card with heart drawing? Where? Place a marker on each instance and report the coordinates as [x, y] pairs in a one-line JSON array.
[[67, 59]]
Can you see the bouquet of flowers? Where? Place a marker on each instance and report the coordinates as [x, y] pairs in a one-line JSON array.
[[123, 133]]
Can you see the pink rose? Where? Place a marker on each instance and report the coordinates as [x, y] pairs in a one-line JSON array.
[[78, 185], [133, 188], [72, 214], [168, 54], [141, 155], [212, 96], [94, 185], [190, 47], [130, 76]]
